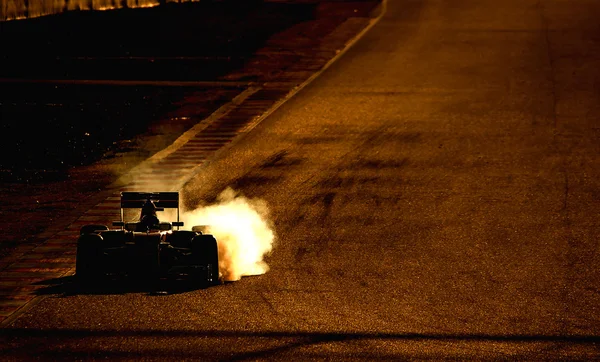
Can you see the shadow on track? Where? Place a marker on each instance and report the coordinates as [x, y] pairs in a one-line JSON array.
[[287, 343], [70, 285], [315, 336]]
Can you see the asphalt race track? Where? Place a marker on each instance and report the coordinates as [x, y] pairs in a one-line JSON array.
[[435, 194]]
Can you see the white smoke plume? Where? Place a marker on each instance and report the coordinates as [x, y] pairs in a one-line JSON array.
[[243, 232]]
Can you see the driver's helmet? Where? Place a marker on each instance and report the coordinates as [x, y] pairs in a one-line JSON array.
[[148, 208], [148, 216]]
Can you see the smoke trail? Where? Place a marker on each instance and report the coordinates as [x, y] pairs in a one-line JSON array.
[[242, 230]]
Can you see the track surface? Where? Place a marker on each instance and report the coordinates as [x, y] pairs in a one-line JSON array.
[[435, 195]]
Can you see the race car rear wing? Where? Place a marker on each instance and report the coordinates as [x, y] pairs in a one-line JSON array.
[[162, 200], [135, 200]]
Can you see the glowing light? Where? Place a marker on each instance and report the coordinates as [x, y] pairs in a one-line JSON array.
[[242, 230], [149, 5], [16, 10]]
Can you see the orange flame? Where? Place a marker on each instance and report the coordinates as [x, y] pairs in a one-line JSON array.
[[242, 230]]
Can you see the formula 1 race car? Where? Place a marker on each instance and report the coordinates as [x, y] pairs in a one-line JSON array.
[[148, 248]]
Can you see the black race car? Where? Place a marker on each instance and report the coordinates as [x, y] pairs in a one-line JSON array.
[[149, 249]]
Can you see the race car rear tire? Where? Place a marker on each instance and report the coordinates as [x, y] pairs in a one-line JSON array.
[[202, 229], [92, 229], [87, 262], [205, 253]]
